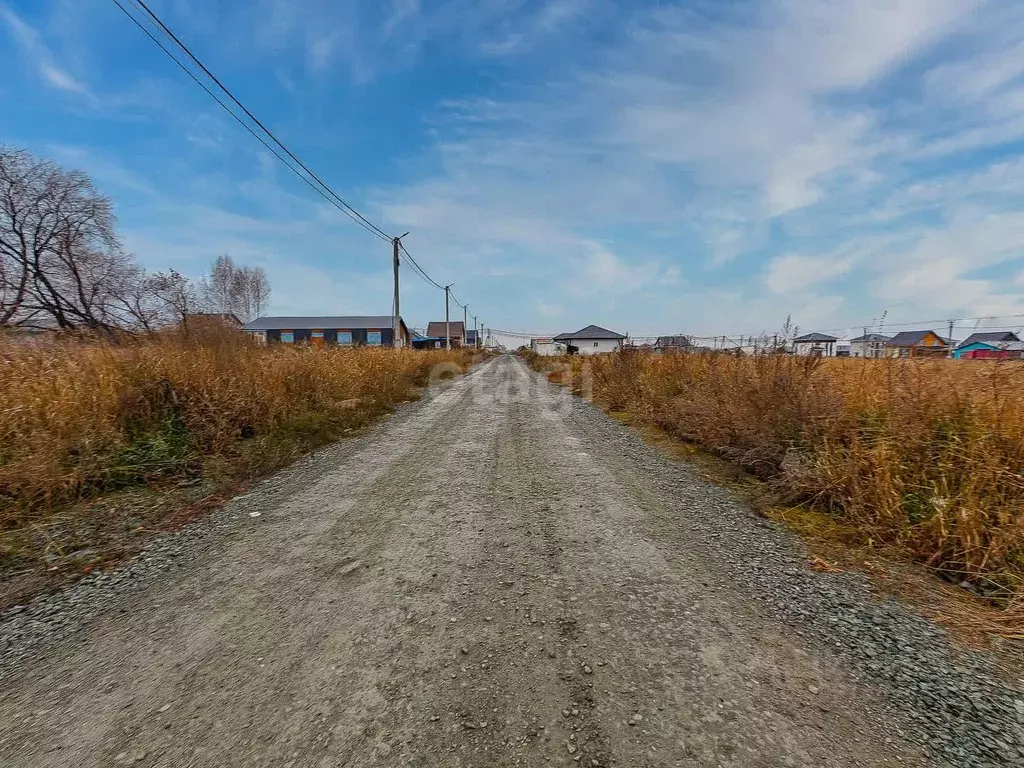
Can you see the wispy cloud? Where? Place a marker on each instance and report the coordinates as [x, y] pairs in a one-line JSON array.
[[40, 56], [667, 166]]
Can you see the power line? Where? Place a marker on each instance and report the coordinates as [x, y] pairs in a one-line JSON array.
[[353, 213], [311, 178], [415, 265], [237, 119]]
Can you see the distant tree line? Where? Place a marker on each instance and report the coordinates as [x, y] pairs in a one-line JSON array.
[[62, 266]]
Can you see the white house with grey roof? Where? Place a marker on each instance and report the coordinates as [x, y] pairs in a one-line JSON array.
[[815, 345], [592, 340], [345, 330]]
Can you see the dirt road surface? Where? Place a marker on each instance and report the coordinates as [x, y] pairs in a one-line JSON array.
[[496, 576]]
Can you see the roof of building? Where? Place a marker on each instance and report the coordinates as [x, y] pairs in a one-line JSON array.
[[808, 337], [989, 336], [437, 328], [229, 317], [672, 341], [913, 338], [316, 322], [872, 337], [590, 332], [1009, 346]]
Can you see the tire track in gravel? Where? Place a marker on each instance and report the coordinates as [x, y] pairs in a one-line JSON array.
[[478, 582]]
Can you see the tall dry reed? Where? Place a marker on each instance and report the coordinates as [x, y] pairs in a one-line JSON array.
[[927, 456], [78, 419]]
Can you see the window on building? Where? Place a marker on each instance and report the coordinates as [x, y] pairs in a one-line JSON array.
[[317, 334], [373, 338], [595, 343], [344, 337], [287, 337]]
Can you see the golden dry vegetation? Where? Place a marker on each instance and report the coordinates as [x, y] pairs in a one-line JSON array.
[[81, 421], [924, 456]]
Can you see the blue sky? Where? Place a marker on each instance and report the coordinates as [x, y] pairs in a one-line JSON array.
[[703, 166]]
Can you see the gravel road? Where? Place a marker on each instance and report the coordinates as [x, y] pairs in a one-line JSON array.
[[498, 575]]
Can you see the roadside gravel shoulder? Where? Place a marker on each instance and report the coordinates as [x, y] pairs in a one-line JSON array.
[[27, 630], [961, 705]]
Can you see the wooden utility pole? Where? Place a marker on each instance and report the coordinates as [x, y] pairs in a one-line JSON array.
[[396, 339], [396, 330], [447, 324], [465, 333]]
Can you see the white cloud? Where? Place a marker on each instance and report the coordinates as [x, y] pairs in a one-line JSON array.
[[795, 273], [40, 56], [793, 145], [547, 309]]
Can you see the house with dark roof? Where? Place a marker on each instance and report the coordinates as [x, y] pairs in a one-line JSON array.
[[592, 340], [453, 328], [815, 345], [672, 344], [344, 330], [990, 345], [224, 319], [869, 345], [917, 344]]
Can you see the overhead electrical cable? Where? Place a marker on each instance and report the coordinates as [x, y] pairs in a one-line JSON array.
[[155, 26], [187, 51], [237, 119]]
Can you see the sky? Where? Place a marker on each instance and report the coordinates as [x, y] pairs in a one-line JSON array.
[[708, 167]]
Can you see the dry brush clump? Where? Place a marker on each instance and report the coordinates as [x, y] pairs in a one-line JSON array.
[[926, 456], [78, 419]]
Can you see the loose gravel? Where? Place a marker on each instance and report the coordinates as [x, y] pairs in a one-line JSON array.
[[961, 706], [498, 575]]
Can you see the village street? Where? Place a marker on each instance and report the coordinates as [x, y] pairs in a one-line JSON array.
[[497, 575]]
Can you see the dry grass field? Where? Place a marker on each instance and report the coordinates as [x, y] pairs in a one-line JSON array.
[[924, 456], [142, 423]]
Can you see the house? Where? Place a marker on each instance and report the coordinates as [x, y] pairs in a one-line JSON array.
[[990, 350], [917, 344], [419, 341], [869, 345], [592, 340], [815, 345], [368, 330], [547, 347], [228, 319], [212, 324], [472, 338], [453, 328], [672, 344], [988, 341]]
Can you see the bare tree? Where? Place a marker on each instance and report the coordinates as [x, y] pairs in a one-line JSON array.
[[60, 260], [177, 296], [62, 266], [253, 292], [233, 289], [219, 289]]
